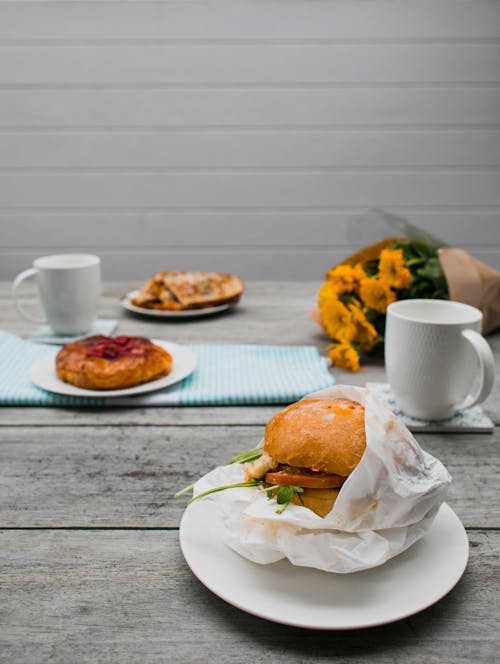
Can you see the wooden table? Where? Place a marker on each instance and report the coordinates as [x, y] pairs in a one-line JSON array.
[[90, 564]]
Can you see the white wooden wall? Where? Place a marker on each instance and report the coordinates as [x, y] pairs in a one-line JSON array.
[[240, 135]]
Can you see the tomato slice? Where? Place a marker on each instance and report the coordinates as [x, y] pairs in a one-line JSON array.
[[308, 479]]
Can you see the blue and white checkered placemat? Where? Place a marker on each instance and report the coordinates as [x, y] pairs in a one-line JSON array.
[[225, 375]]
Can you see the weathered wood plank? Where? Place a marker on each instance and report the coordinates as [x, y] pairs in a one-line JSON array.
[[130, 416], [121, 596], [261, 304], [126, 476]]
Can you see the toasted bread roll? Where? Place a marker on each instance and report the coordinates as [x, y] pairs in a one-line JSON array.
[[322, 434]]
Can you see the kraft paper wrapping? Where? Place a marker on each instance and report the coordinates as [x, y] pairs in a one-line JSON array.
[[472, 282], [388, 502]]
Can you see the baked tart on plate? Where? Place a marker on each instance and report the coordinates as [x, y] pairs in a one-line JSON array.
[[110, 363], [181, 291]]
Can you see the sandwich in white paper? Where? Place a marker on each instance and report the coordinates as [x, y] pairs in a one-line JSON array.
[[386, 495]]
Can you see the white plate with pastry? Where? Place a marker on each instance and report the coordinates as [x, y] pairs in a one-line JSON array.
[[43, 374], [181, 294], [128, 304]]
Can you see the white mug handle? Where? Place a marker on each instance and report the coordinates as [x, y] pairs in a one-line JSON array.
[[27, 274], [487, 368]]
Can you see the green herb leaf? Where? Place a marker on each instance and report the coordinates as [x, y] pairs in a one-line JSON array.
[[184, 490], [227, 486], [242, 457], [248, 455], [285, 494]]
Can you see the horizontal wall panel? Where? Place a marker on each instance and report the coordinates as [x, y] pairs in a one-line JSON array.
[[249, 149], [249, 19], [256, 64], [241, 135], [304, 264], [233, 228], [308, 263], [378, 106], [253, 189]]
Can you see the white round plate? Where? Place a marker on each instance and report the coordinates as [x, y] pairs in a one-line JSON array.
[[43, 374], [310, 598], [184, 313]]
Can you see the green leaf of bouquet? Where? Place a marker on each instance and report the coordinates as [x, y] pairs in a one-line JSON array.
[[431, 270], [371, 267]]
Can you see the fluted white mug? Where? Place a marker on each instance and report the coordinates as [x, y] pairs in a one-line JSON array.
[[436, 360], [69, 286]]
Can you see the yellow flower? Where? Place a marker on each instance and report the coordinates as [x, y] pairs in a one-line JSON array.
[[365, 331], [337, 320], [328, 291], [376, 294], [346, 278], [392, 268], [345, 356]]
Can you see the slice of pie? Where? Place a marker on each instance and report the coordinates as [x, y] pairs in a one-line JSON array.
[[176, 291]]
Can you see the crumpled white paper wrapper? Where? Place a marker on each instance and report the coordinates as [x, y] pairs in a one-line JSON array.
[[388, 502]]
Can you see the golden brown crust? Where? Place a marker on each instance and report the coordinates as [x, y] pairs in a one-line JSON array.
[[320, 501], [106, 363], [178, 291], [324, 434]]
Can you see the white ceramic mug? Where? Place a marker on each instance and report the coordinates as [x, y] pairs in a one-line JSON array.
[[436, 360], [69, 286]]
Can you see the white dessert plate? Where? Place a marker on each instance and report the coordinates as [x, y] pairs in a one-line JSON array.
[[184, 313], [310, 598], [43, 374]]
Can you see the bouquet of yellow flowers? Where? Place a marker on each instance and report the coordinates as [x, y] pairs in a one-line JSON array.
[[353, 300]]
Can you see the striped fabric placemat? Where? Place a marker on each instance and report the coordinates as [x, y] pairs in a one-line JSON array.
[[226, 374], [16, 359]]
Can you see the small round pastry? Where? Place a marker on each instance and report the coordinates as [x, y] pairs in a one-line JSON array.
[[112, 363]]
